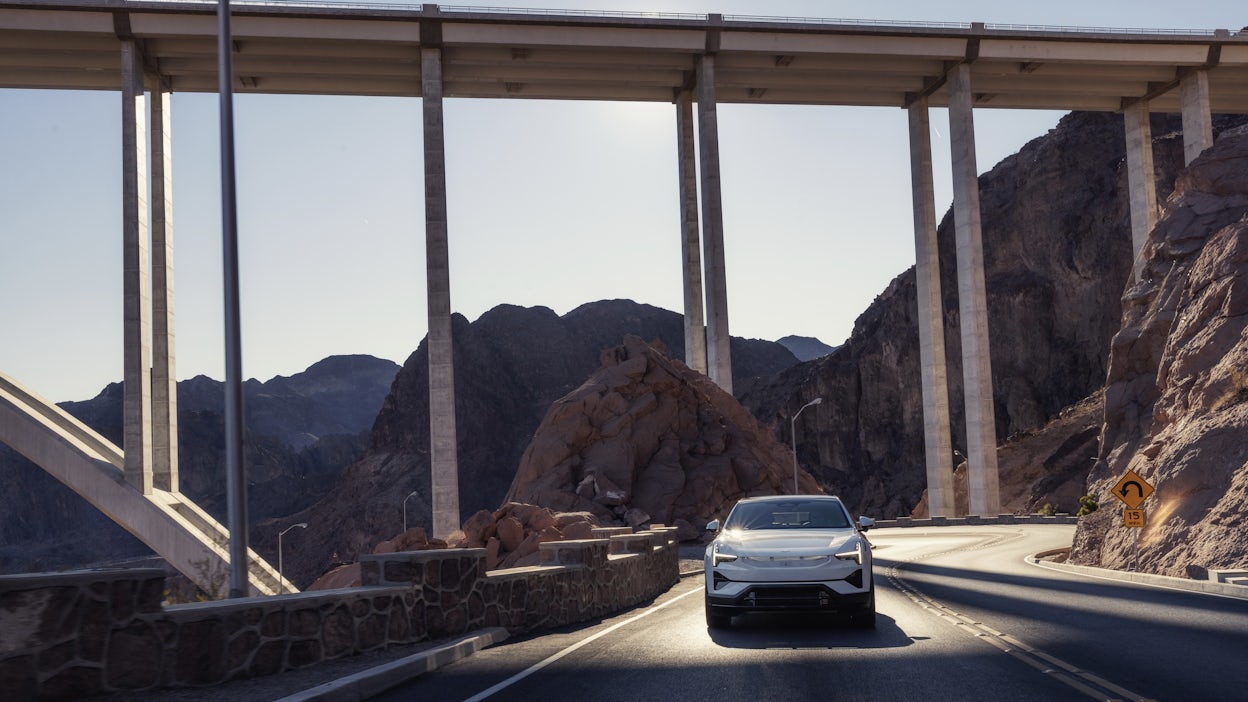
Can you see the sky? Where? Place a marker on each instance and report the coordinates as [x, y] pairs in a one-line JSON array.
[[551, 203]]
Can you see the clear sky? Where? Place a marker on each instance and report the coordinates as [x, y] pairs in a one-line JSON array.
[[550, 203]]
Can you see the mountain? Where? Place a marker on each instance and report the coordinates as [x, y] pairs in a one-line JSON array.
[[806, 348], [1176, 397], [302, 431], [511, 364], [1057, 255]]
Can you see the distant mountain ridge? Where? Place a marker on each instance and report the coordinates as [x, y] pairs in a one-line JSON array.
[[806, 348], [302, 431]]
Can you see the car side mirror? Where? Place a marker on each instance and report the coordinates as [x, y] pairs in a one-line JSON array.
[[865, 523], [713, 525]]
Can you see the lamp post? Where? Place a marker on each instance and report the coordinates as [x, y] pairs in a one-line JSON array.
[[793, 437], [281, 579], [410, 495]]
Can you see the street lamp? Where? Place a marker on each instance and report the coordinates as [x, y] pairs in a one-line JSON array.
[[410, 495], [281, 579], [793, 437]]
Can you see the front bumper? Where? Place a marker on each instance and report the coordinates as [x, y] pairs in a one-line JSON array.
[[805, 597]]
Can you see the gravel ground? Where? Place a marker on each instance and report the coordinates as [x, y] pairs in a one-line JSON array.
[[272, 687]]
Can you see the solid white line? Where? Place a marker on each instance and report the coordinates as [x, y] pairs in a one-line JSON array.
[[542, 664]]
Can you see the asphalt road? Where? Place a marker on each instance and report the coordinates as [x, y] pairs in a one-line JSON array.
[[961, 616]]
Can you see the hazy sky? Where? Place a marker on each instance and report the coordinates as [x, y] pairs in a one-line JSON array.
[[550, 203]]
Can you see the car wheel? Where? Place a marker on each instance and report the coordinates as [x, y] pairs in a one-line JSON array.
[[717, 618], [865, 617]]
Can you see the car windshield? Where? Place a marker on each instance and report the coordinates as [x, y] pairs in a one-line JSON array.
[[794, 514]]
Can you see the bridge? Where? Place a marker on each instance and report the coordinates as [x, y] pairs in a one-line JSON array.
[[148, 50]]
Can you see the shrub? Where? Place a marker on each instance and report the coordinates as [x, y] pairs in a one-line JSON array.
[[1087, 505]]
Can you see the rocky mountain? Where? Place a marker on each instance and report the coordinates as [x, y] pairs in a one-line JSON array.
[[1176, 396], [1057, 255], [645, 439], [302, 431], [510, 365], [806, 348]]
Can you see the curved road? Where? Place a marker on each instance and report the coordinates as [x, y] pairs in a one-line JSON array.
[[961, 616]]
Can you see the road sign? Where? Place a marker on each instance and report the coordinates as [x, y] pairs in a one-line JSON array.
[[1133, 518], [1132, 489]]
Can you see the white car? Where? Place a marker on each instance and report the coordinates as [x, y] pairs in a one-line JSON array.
[[790, 553]]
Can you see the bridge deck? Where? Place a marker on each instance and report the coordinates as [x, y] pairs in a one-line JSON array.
[[375, 50]]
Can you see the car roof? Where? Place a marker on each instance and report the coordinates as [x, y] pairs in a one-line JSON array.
[[790, 498]]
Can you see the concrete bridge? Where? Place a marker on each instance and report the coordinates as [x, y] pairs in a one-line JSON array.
[[148, 50]]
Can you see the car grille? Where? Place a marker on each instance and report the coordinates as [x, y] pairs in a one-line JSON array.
[[799, 597]]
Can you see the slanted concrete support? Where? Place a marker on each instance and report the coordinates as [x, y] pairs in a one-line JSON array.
[[981, 432], [444, 464], [164, 379], [937, 446], [137, 350], [1140, 180], [1197, 120], [718, 354], [690, 243]]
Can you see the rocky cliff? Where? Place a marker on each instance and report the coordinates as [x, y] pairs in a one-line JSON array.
[[1176, 396], [302, 431], [1057, 254], [510, 365]]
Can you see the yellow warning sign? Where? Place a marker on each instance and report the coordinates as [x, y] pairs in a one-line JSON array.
[[1133, 518], [1132, 489]]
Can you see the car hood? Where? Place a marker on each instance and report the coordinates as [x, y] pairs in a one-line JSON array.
[[796, 541]]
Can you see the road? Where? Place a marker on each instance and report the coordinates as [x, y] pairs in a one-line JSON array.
[[961, 616]]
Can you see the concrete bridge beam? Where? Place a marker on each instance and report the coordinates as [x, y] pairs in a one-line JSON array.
[[690, 242], [1140, 180], [981, 432], [443, 457], [1197, 118], [936, 442], [718, 353], [137, 350]]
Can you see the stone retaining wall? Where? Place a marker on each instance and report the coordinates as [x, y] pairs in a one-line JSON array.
[[973, 520], [71, 635]]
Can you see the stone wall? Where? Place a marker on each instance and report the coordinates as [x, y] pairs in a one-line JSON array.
[[71, 635]]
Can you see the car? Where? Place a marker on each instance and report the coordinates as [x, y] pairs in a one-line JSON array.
[[791, 553]]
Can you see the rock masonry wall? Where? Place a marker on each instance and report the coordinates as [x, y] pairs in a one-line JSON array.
[[72, 635]]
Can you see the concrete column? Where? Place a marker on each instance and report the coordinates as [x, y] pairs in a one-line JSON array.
[[937, 446], [981, 432], [164, 377], [1140, 178], [690, 244], [718, 353], [137, 351], [1197, 120], [444, 464]]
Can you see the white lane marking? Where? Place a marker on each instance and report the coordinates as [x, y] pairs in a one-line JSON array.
[[1073, 676], [542, 664]]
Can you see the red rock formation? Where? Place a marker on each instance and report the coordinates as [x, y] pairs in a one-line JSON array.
[[1176, 398], [646, 439]]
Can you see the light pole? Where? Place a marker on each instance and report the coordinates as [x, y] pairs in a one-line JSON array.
[[793, 437], [410, 495], [281, 579]]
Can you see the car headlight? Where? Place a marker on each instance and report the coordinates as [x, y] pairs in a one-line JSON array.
[[721, 554], [854, 555]]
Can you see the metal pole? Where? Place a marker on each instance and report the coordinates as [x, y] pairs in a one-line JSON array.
[[281, 579], [235, 478], [410, 495], [793, 437]]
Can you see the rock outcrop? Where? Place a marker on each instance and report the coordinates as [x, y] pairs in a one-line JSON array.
[[1057, 255], [646, 439], [1176, 396]]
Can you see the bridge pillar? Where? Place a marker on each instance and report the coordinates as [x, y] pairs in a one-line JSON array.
[[137, 350], [164, 377], [443, 458], [1140, 180], [981, 432], [718, 353], [936, 443], [690, 243], [1197, 119]]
